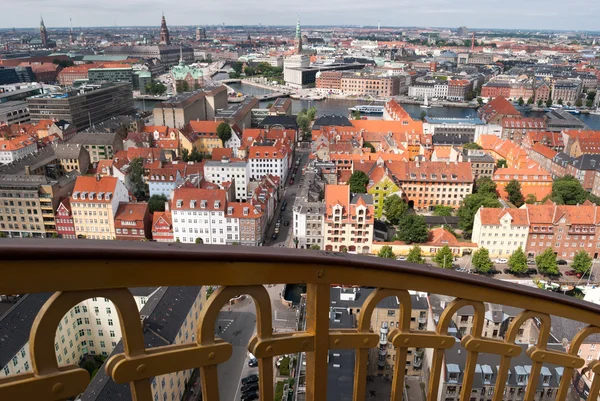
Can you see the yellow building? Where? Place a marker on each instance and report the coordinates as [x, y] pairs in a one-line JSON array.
[[201, 135], [381, 186], [94, 203]]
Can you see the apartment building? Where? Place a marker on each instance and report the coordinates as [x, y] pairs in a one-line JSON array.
[[252, 224], [133, 222], [269, 159], [94, 204], [100, 145], [501, 231], [515, 128], [309, 208], [232, 171], [534, 181], [12, 149], [348, 220], [201, 104], [482, 164], [428, 184], [72, 157], [458, 89], [496, 109], [203, 216], [329, 81], [429, 89], [374, 85], [566, 90], [65, 228], [162, 226]]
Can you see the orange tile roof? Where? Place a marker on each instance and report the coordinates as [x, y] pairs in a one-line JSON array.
[[204, 126], [522, 175], [162, 217], [236, 210], [492, 216], [442, 152], [186, 195], [439, 172], [501, 106], [89, 185], [19, 142], [395, 127], [396, 111], [127, 211], [337, 194], [220, 153], [544, 150]]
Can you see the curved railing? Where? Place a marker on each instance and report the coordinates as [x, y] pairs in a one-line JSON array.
[[70, 269]]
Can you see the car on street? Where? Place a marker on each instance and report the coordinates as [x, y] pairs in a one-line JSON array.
[[570, 273], [250, 396], [561, 262], [250, 387], [253, 362], [274, 237], [401, 258], [530, 262], [286, 223], [250, 379], [500, 261]]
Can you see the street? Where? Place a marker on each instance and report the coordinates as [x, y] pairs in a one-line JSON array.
[[284, 237]]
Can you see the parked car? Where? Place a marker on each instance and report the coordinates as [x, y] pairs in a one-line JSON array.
[[286, 223], [530, 262], [274, 237], [501, 261], [561, 262], [494, 271], [531, 271], [401, 258], [250, 379], [253, 362], [250, 396], [250, 387], [571, 273]]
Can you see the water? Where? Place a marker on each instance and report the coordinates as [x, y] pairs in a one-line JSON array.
[[340, 106]]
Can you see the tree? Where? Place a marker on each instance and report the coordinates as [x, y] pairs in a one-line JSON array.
[[481, 261], [423, 116], [591, 95], [249, 71], [472, 145], [444, 257], [530, 100], [546, 262], [560, 101], [579, 103], [549, 102], [513, 189], [182, 86], [358, 182], [195, 156], [156, 203], [315, 247], [520, 101], [311, 113], [540, 102], [394, 208], [224, 132], [414, 255], [370, 146], [531, 199], [412, 229], [479, 100], [136, 175], [386, 252], [356, 115], [199, 241], [582, 262], [185, 155], [155, 88], [237, 67], [441, 210], [470, 206], [501, 163], [517, 263], [303, 123], [568, 191], [485, 185]]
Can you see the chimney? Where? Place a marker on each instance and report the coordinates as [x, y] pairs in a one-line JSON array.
[[97, 177], [167, 208], [27, 170]]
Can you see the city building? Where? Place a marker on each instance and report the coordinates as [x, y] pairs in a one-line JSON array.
[[99, 145], [94, 204], [65, 228], [14, 75], [71, 157], [482, 164], [459, 89], [561, 120], [309, 209], [458, 131], [198, 105], [15, 148], [112, 74], [348, 220], [298, 38], [269, 159], [85, 106], [566, 91], [133, 222], [534, 181], [162, 226], [501, 231], [252, 224], [14, 112], [229, 171], [298, 73], [201, 135], [496, 109], [186, 77], [516, 128], [164, 32], [76, 73]]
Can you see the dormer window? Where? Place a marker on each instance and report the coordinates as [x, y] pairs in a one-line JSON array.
[[179, 202], [84, 195], [454, 176], [108, 196], [217, 204], [423, 176], [203, 204], [76, 195], [192, 204], [245, 211], [100, 195], [92, 195], [230, 210]]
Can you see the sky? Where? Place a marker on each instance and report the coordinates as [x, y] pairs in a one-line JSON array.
[[510, 14]]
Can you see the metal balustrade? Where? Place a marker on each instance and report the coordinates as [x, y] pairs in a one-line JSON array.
[[77, 270]]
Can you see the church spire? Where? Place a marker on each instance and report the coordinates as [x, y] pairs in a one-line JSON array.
[[298, 39], [43, 33], [164, 32]]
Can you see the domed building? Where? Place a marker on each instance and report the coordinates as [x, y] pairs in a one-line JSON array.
[[186, 77]]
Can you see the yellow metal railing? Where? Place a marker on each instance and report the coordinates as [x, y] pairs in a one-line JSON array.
[[78, 270]]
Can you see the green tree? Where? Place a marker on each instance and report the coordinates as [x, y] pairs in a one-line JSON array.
[[315, 247], [195, 156], [224, 132], [591, 95], [520, 101], [182, 86], [386, 252], [238, 67], [513, 189], [517, 263], [412, 229], [560, 101], [422, 116], [136, 176], [582, 262], [303, 123], [441, 210], [414, 255], [370, 146], [589, 103], [549, 102], [155, 88], [501, 163], [481, 261], [358, 182], [530, 100], [156, 203], [470, 206], [579, 103], [394, 208], [568, 191], [531, 199], [311, 113], [356, 115], [540, 102], [185, 155], [249, 71], [444, 257], [479, 100], [199, 241], [546, 262], [485, 185], [472, 145]]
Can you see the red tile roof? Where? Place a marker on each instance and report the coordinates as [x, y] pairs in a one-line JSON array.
[[131, 212], [192, 199], [492, 216], [97, 187]]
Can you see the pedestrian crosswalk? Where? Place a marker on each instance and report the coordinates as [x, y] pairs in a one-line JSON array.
[[224, 324]]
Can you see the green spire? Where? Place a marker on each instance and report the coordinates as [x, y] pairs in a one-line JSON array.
[[298, 34]]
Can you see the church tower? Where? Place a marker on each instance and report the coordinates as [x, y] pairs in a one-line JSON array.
[[298, 40], [43, 33], [164, 32]]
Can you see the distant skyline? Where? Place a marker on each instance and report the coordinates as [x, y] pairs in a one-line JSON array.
[[512, 14]]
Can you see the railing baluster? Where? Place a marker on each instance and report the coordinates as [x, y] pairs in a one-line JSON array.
[[469, 369], [565, 381], [317, 315]]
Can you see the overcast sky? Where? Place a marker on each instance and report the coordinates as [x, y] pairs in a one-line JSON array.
[[527, 14]]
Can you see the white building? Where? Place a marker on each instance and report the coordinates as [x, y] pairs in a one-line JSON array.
[[234, 143], [431, 90], [292, 74], [264, 160], [220, 171], [501, 231], [12, 149], [200, 215]]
